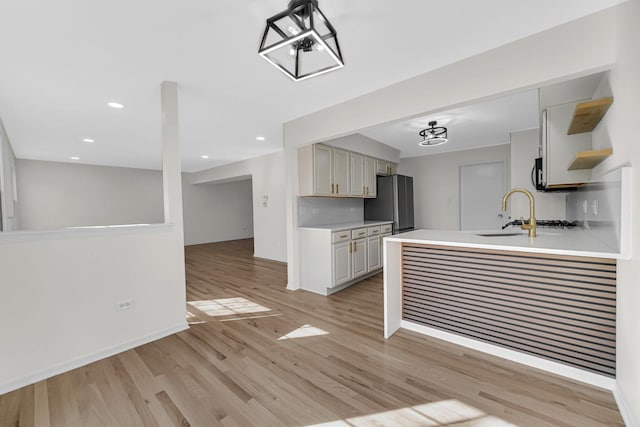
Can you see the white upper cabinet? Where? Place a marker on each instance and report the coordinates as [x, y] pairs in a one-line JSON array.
[[315, 163], [341, 172], [328, 171], [322, 170], [385, 168], [370, 184], [357, 175]]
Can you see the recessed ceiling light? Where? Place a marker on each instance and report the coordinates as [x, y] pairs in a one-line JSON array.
[[89, 140], [260, 138], [115, 105], [74, 158], [205, 157]]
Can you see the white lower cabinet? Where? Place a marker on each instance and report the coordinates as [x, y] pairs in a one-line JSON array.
[[341, 263], [332, 260], [374, 252], [359, 257]]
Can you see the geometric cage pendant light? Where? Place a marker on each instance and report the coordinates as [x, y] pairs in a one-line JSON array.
[[434, 135], [301, 42]]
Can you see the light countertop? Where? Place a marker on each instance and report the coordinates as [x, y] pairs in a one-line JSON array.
[[576, 242], [347, 226]]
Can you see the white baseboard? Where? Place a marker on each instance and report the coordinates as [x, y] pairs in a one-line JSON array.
[[85, 360], [623, 407], [516, 356]]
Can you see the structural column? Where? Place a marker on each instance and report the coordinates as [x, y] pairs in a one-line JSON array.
[[171, 158]]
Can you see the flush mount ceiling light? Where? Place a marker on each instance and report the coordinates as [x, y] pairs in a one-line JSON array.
[[301, 42], [89, 140], [115, 105], [260, 138], [434, 135]]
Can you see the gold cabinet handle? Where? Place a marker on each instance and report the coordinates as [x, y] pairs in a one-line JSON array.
[[367, 190], [355, 247], [364, 190], [332, 188], [337, 188], [349, 247], [343, 236]]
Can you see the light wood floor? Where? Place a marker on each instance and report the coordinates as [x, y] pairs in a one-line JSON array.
[[257, 354]]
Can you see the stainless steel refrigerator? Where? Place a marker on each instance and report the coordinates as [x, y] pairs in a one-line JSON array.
[[394, 202]]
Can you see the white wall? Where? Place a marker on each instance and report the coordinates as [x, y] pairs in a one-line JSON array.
[[436, 183], [524, 150], [58, 290], [313, 211], [58, 195], [217, 212], [620, 129], [268, 180], [8, 202]]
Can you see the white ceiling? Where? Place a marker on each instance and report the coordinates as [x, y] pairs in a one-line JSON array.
[[477, 125], [62, 61]]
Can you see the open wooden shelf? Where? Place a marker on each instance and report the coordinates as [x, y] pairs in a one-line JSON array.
[[588, 114], [589, 159]]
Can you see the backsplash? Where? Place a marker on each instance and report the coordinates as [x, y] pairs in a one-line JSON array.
[[600, 207], [314, 211]]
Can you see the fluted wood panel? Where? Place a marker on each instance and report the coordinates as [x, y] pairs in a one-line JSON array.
[[557, 307]]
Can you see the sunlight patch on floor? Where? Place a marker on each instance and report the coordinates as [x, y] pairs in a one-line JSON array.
[[304, 331], [193, 319], [442, 413], [228, 306]]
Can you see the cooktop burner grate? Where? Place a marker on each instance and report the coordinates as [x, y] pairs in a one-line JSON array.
[[551, 223]]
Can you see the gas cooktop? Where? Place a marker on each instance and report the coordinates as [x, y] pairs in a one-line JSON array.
[[551, 223]]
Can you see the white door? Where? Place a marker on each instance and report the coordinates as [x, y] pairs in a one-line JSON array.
[[357, 186], [370, 177], [359, 257], [341, 172], [374, 253], [482, 187], [341, 260], [322, 170]]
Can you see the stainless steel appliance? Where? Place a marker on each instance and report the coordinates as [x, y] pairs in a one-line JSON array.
[[394, 202]]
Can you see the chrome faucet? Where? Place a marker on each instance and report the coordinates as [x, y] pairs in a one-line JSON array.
[[532, 208]]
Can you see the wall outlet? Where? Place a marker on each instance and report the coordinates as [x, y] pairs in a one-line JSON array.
[[124, 305]]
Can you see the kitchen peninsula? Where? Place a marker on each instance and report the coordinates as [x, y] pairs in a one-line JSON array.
[[548, 301]]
